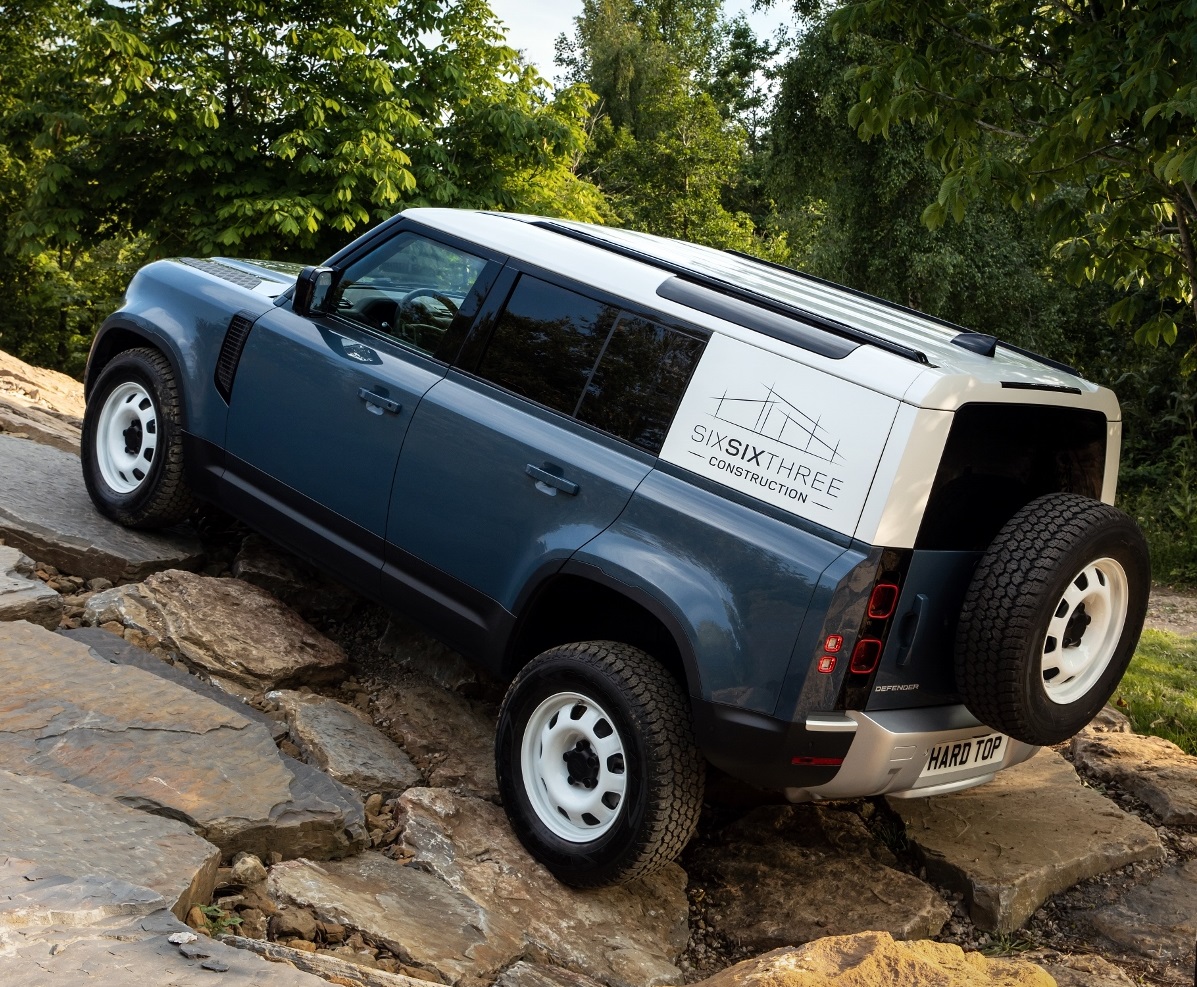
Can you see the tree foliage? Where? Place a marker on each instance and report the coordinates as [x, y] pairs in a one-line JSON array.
[[1085, 108]]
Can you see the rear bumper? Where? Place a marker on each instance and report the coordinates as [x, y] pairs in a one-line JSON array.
[[889, 750]]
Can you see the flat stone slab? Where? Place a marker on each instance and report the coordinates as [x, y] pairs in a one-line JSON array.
[[342, 742], [68, 855], [125, 952], [120, 732], [450, 738], [39, 424], [22, 595], [1156, 919], [35, 387], [874, 959], [846, 885], [1011, 844], [471, 902], [237, 633], [46, 513], [1150, 768]]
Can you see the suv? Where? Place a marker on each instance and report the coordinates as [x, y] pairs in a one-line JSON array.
[[692, 506]]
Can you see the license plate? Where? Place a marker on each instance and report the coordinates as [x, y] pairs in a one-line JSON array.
[[957, 755]]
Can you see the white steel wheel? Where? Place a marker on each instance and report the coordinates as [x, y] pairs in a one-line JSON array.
[[574, 767], [126, 437], [1085, 630]]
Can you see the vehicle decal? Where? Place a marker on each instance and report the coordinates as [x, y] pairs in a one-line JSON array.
[[783, 432]]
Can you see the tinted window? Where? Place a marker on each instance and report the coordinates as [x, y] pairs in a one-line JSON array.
[[546, 342], [640, 380], [409, 288]]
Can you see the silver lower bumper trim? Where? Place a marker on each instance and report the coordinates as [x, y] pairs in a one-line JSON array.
[[890, 750]]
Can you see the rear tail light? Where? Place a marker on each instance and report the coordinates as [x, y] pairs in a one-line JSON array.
[[883, 601], [865, 656]]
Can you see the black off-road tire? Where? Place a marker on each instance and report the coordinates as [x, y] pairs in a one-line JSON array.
[[162, 497], [665, 772], [1032, 581]]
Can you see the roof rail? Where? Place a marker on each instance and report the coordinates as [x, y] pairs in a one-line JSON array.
[[946, 323], [735, 291]]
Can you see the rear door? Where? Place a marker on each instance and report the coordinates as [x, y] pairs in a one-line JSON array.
[[321, 405], [510, 468]]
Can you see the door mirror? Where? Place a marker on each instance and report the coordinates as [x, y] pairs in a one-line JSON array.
[[313, 290]]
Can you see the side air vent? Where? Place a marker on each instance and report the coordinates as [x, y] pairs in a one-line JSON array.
[[230, 352]]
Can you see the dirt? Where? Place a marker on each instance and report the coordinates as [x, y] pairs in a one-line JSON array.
[[1172, 610]]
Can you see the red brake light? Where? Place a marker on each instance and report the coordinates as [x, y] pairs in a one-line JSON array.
[[865, 656], [883, 601]]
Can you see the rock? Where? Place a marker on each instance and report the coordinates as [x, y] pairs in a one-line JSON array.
[[118, 731], [302, 587], [472, 902], [248, 869], [874, 959], [752, 873], [412, 649], [331, 968], [1031, 832], [1078, 970], [343, 742], [1109, 720], [22, 595], [125, 951], [449, 738], [1150, 768], [525, 974], [236, 633], [76, 857], [293, 923], [34, 387], [1157, 919], [65, 530], [41, 425]]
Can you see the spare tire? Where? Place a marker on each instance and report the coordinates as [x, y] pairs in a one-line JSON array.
[[1052, 617]]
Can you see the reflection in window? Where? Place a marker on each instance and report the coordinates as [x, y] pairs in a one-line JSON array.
[[410, 288], [546, 342], [639, 381]]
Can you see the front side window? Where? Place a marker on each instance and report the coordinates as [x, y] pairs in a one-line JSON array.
[[410, 289]]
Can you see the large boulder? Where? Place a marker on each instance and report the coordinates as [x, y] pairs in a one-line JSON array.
[[874, 959], [147, 742], [22, 595], [1014, 842], [46, 513], [343, 742], [449, 738], [236, 633], [34, 387], [71, 856], [1150, 768], [48, 427], [751, 874], [471, 902]]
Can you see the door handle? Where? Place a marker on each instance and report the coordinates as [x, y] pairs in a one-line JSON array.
[[550, 483], [378, 401]]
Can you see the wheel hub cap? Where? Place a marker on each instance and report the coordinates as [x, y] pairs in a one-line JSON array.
[[126, 437], [1084, 631], [572, 760]]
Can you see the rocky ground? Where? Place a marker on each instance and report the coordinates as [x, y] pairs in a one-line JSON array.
[[216, 766]]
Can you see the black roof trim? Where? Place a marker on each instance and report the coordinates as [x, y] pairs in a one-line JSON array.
[[821, 322], [1020, 385], [731, 309]]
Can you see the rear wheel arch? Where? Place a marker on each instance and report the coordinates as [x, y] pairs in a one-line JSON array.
[[582, 603]]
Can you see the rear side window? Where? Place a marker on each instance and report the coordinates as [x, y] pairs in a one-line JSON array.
[[546, 343], [614, 370], [639, 382]]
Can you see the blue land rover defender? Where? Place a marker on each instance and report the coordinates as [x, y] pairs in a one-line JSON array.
[[692, 506]]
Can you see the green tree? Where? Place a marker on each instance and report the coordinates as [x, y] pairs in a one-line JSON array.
[[1084, 108]]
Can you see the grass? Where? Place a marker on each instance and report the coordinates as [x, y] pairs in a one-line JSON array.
[[1159, 690]]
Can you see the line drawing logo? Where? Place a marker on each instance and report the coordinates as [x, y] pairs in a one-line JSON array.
[[776, 418]]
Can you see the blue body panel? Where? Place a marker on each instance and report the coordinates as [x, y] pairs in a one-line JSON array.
[[739, 582], [464, 502], [184, 311]]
